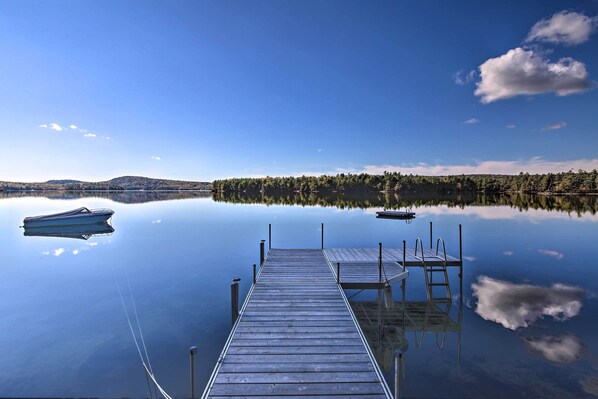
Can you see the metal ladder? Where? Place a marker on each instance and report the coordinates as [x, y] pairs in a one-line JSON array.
[[430, 270]]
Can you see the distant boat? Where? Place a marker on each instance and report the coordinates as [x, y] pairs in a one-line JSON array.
[[395, 214], [79, 231], [75, 217]]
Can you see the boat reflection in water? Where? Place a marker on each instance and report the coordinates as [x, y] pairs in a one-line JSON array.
[[81, 232]]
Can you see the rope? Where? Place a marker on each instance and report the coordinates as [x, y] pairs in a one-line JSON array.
[[140, 332], [147, 370]]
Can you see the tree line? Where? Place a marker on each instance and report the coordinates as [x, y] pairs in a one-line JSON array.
[[580, 182]]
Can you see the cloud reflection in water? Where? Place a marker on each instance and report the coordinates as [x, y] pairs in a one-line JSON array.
[[563, 349], [518, 305]]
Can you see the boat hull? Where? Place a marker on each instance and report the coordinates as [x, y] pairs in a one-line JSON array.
[[395, 215], [71, 221]]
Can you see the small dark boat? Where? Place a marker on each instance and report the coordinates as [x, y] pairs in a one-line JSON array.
[[395, 215]]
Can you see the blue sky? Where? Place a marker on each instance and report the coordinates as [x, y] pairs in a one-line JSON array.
[[211, 89]]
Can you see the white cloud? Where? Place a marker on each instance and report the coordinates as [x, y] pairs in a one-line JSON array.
[[53, 126], [58, 252], [76, 252], [500, 213], [563, 349], [459, 79], [83, 130], [89, 135], [552, 253], [471, 121], [563, 27], [91, 244], [532, 166], [157, 221], [56, 126], [511, 126], [74, 127], [518, 305], [319, 150], [525, 72], [470, 258], [508, 253], [555, 126], [155, 158]]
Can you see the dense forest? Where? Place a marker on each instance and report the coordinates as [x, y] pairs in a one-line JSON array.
[[117, 184], [572, 204], [580, 182]]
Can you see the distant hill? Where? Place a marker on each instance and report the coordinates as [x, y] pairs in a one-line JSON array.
[[117, 184], [65, 181]]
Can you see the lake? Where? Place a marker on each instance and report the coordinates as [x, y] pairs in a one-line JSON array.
[[527, 327]]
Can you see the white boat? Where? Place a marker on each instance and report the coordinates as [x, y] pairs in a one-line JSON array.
[[74, 217]]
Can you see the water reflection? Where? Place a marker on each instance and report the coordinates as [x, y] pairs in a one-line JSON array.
[[124, 197], [518, 305], [562, 349], [385, 329], [577, 205], [81, 232]]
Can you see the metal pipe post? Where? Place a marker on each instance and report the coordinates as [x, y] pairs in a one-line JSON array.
[[269, 235], [192, 352], [262, 252], [460, 266], [322, 235], [234, 299], [379, 262], [430, 235], [338, 273], [254, 273], [398, 361]]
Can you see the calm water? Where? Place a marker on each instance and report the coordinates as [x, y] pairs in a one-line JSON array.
[[528, 324]]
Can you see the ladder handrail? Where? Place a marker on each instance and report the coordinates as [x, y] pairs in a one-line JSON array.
[[421, 244], [440, 239]]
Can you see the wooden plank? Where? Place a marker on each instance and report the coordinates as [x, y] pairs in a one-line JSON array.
[[296, 337], [345, 389]]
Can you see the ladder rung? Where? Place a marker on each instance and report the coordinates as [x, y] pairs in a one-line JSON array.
[[438, 284]]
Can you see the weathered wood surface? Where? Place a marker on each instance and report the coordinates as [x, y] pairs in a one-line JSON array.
[[296, 338], [354, 273], [389, 255]]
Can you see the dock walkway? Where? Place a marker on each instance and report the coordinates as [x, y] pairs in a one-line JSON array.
[[296, 337]]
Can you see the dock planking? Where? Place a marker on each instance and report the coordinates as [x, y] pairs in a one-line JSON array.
[[389, 256], [296, 337]]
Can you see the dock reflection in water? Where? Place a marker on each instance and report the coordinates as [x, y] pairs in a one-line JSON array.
[[385, 329], [81, 232]]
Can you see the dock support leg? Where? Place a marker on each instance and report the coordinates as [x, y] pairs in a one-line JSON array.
[[430, 235], [192, 352], [254, 273], [234, 299], [262, 252], [460, 264], [338, 273], [269, 235], [322, 235], [398, 373], [379, 262]]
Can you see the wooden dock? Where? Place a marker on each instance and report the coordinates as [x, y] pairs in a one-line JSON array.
[[296, 337]]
